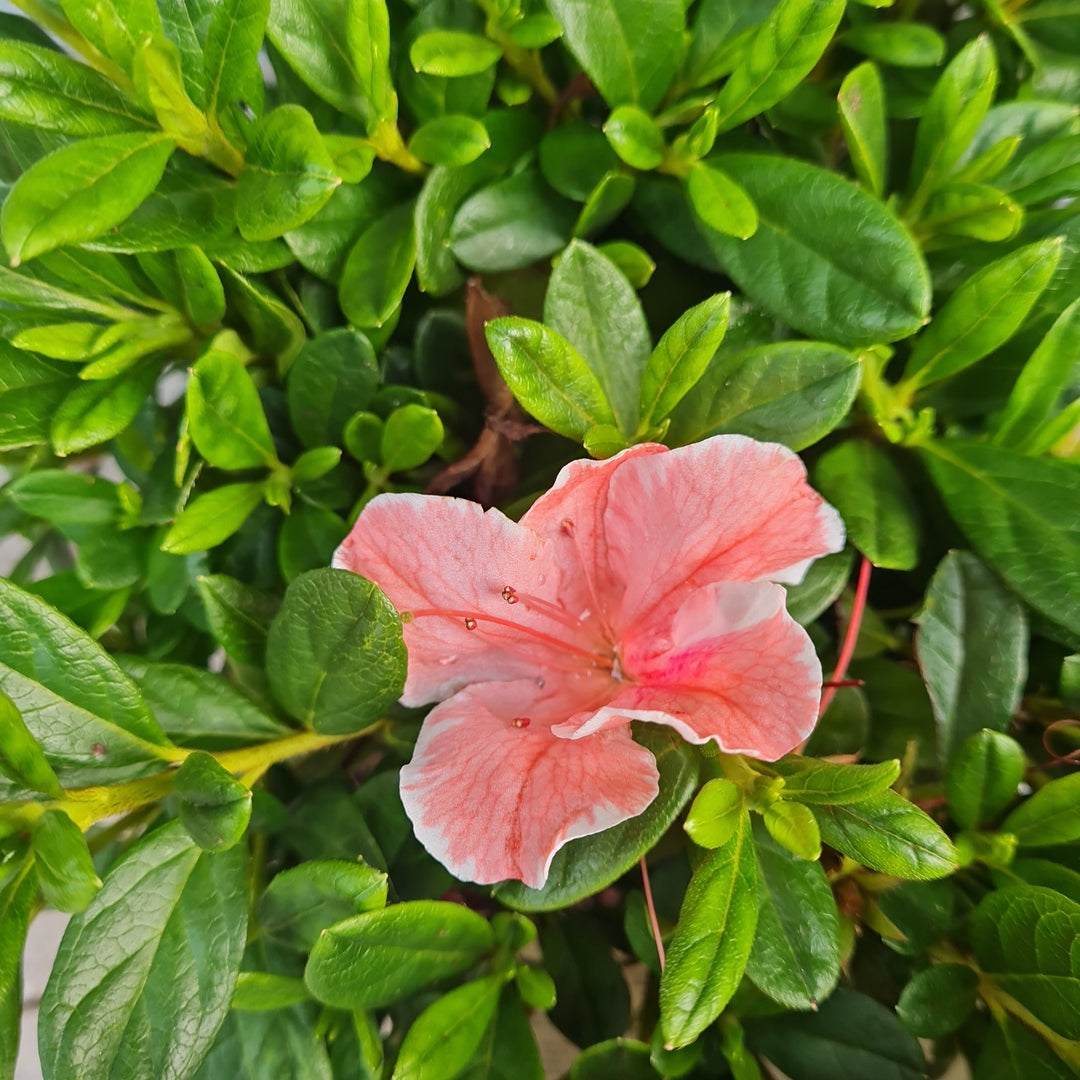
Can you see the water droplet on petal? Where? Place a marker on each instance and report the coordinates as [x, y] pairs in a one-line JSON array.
[[521, 722], [470, 623], [540, 579]]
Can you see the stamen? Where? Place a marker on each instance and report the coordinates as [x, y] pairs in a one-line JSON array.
[[542, 607], [568, 528], [520, 722], [509, 594], [470, 623]]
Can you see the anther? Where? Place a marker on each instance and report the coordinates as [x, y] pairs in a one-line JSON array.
[[509, 594], [406, 616], [520, 722], [470, 623]]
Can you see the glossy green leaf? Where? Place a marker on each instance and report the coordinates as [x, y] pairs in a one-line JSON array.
[[115, 26], [822, 586], [575, 157], [450, 140], [410, 436], [212, 518], [508, 1051], [794, 827], [368, 38], [885, 832], [453, 53], [308, 539], [288, 175], [983, 313], [18, 896], [781, 53], [938, 1000], [605, 202], [65, 870], [720, 202], [21, 758], [795, 958], [721, 31], [239, 616], [972, 649], [382, 956], [635, 137], [159, 81], [94, 412], [315, 463], [213, 807], [632, 260], [334, 653], [585, 866], [983, 776], [179, 958], [708, 952], [628, 48], [974, 210], [792, 392], [378, 269], [234, 37], [301, 902], [548, 376], [31, 390], [862, 482], [715, 814], [1049, 817], [592, 305], [1010, 507], [257, 991], [1025, 937], [862, 117], [899, 44], [80, 191], [445, 1035]]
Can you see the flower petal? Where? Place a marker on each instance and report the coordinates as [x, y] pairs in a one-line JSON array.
[[725, 509], [435, 553], [740, 670], [492, 801]]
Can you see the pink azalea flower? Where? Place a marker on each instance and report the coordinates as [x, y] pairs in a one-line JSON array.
[[643, 587]]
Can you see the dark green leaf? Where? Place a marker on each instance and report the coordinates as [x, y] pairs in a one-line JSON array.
[[382, 956], [605, 202], [212, 518], [574, 158], [1049, 817], [983, 776], [615, 1059], [71, 501], [117, 972], [861, 481], [938, 1000], [379, 268], [239, 616], [257, 991], [334, 654], [273, 1045], [1012, 1051], [308, 538], [65, 870], [213, 807], [822, 586]]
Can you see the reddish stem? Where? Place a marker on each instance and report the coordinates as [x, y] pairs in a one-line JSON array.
[[654, 922], [858, 606]]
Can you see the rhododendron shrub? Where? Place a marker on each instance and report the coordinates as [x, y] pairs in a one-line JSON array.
[[540, 538]]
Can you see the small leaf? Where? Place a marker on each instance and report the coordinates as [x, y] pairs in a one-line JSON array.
[[378, 269], [21, 758], [94, 412], [18, 898], [982, 777], [65, 870], [899, 44], [720, 202], [1049, 817], [212, 518], [214, 808], [450, 140], [453, 53], [828, 783], [715, 815], [938, 1000], [410, 435], [258, 991], [862, 117], [635, 137], [239, 616], [794, 827]]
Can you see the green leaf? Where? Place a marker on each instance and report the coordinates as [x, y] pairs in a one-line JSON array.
[[1041, 384], [274, 1045], [196, 707], [258, 991], [450, 140], [334, 653], [975, 210], [368, 37], [850, 1037], [1010, 508], [708, 952], [213, 807], [1012, 1051], [536, 986], [827, 235], [453, 53], [898, 44], [411, 434], [614, 1059], [116, 974], [48, 90], [585, 866], [31, 390], [972, 646], [71, 501], [1049, 817], [681, 357], [862, 118], [87, 716], [983, 776], [212, 518], [548, 376], [379, 957], [782, 52], [628, 48], [606, 201], [308, 538], [1025, 937], [983, 313], [885, 832], [445, 1035], [792, 392], [575, 157], [18, 897], [21, 758], [65, 870], [95, 412], [722, 30], [952, 116], [794, 827], [635, 137], [632, 260], [938, 1000], [715, 814], [822, 586], [159, 81], [510, 224], [795, 958], [379, 268], [288, 176], [720, 202], [239, 616], [300, 903], [80, 191], [115, 26], [592, 305], [315, 463], [234, 37], [862, 482]]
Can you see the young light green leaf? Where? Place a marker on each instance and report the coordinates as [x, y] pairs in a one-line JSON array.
[[450, 140], [592, 305], [635, 137], [378, 269], [379, 957], [453, 53], [720, 202], [116, 27], [715, 814], [159, 81], [605, 202], [794, 827], [1049, 817], [80, 191], [231, 55], [862, 117], [975, 210], [982, 777], [972, 647], [681, 358], [410, 435], [180, 956], [368, 37], [212, 518], [983, 313], [548, 376], [862, 482], [709, 950], [827, 783], [65, 869], [633, 261], [226, 418], [782, 52], [259, 991], [1010, 508]]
